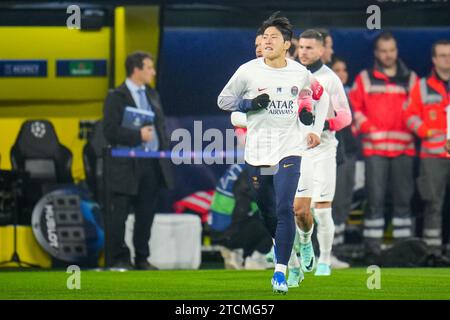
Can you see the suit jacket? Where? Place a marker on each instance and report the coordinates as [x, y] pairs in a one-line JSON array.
[[125, 172]]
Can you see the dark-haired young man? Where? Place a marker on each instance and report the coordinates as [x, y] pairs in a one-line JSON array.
[[135, 182], [258, 44], [267, 89]]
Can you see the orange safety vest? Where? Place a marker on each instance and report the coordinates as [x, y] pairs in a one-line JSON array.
[[425, 111]]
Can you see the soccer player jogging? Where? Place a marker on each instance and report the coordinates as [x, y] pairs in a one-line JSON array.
[[318, 169], [267, 90]]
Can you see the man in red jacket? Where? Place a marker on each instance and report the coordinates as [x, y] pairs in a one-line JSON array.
[[426, 116], [377, 97]]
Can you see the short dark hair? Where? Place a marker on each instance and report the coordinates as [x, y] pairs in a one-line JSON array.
[[336, 59], [136, 60], [292, 49], [385, 35], [324, 32], [313, 34], [281, 23], [442, 42], [259, 32]]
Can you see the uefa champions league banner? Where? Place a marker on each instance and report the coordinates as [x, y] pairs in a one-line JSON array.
[[67, 224]]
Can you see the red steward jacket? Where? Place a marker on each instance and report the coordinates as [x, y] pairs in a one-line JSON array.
[[425, 115], [378, 102]]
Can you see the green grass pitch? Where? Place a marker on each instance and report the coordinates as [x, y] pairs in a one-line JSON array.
[[432, 283]]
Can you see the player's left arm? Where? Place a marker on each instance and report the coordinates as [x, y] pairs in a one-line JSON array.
[[339, 102]]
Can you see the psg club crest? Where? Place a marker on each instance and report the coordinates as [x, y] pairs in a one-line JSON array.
[[294, 91]]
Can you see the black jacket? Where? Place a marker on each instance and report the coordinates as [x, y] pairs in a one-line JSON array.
[[125, 172]]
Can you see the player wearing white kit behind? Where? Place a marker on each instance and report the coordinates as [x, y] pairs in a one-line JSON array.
[[318, 173], [258, 44], [267, 89]]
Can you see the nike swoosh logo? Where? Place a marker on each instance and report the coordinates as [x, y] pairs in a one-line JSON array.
[[323, 195], [309, 267], [287, 165], [259, 89], [298, 190]]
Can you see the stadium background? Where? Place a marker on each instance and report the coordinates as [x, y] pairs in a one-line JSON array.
[[197, 46]]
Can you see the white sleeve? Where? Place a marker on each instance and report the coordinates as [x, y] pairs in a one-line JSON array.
[[338, 97], [339, 102], [239, 119], [232, 93]]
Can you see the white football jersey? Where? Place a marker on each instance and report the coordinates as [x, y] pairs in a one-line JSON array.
[[276, 132], [338, 103]]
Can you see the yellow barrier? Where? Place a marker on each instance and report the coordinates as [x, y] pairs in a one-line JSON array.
[[28, 248], [51, 44]]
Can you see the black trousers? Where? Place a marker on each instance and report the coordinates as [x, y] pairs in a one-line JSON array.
[[144, 204]]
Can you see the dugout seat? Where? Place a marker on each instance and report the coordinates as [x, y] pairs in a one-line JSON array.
[[38, 151], [93, 160]]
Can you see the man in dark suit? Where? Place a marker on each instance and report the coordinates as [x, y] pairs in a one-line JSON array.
[[135, 181]]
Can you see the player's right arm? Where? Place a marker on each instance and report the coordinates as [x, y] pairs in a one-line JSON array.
[[239, 119], [232, 96]]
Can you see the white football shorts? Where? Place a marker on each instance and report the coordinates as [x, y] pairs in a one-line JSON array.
[[317, 178]]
